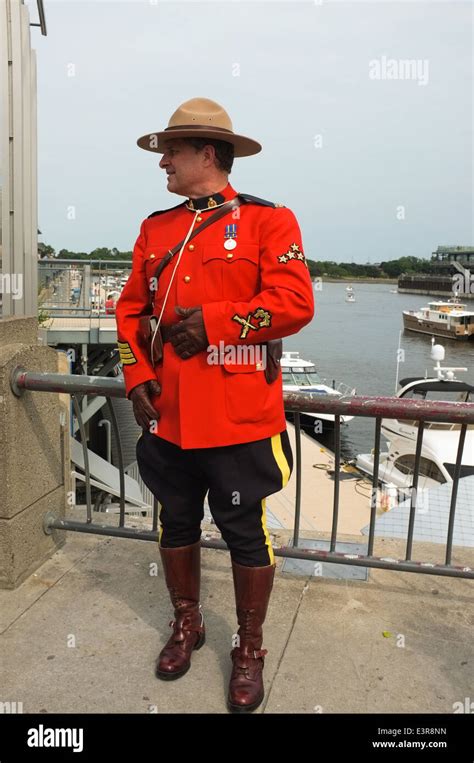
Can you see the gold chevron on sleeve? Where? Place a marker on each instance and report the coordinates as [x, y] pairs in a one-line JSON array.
[[127, 356]]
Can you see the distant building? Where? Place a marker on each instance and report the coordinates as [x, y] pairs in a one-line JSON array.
[[452, 274], [445, 256]]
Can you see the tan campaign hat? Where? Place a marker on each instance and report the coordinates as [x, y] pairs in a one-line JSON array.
[[200, 118]]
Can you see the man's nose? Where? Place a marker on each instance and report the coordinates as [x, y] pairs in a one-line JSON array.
[[164, 161]]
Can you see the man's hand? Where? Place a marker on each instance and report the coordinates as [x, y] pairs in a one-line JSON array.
[[189, 335], [143, 409]]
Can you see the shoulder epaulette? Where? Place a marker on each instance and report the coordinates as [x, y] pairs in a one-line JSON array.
[[162, 211], [255, 200]]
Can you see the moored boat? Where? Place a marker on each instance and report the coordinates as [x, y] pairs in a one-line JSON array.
[[446, 319], [300, 375]]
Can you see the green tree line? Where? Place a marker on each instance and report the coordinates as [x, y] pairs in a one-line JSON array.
[[321, 268], [101, 253], [387, 269]]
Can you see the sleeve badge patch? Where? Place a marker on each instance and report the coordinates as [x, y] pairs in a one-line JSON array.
[[127, 358], [294, 253], [263, 318]]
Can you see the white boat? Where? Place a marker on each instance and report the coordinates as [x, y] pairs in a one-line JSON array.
[[350, 296], [440, 440], [301, 376], [448, 319]]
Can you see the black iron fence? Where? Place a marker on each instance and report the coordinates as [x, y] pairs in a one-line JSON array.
[[296, 403]]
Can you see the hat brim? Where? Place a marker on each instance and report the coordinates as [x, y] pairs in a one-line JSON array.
[[155, 141]]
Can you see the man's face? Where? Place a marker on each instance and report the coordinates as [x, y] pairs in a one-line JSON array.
[[185, 167]]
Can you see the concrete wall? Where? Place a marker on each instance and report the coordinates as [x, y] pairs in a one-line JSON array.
[[33, 455]]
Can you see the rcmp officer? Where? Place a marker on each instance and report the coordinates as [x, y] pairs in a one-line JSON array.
[[212, 418]]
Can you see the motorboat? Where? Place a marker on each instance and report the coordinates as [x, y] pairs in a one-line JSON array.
[[300, 375], [440, 440], [350, 296], [447, 319]]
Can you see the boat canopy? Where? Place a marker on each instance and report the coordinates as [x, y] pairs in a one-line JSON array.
[[437, 385]]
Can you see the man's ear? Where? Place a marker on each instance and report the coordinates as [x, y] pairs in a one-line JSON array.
[[209, 155]]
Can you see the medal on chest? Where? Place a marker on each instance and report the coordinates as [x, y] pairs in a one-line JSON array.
[[230, 236]]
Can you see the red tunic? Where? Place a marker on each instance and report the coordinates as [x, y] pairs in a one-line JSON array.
[[257, 291]]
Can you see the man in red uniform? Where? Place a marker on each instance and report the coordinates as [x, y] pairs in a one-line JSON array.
[[212, 415]]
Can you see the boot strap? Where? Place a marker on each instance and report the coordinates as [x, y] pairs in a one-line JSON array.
[[253, 654], [197, 629]]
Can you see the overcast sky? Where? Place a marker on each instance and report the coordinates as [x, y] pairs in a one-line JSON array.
[[389, 175]]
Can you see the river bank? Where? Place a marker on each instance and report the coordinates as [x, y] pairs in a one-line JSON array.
[[326, 279]]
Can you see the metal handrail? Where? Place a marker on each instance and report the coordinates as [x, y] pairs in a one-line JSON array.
[[82, 261], [359, 405]]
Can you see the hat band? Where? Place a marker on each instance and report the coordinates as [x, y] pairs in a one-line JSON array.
[[199, 127]]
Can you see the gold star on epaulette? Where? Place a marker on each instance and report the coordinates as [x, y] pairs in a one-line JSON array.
[[283, 258], [279, 204]]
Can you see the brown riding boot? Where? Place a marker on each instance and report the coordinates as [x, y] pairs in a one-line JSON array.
[[182, 567], [253, 586]]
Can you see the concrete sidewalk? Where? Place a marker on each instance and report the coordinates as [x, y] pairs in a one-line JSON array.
[[82, 635]]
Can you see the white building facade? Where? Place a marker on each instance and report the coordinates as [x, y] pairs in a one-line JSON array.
[[18, 160]]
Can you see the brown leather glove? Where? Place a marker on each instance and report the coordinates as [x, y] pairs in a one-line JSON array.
[[141, 397], [189, 337]]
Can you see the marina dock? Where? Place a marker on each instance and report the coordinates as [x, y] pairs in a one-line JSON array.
[[317, 494]]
